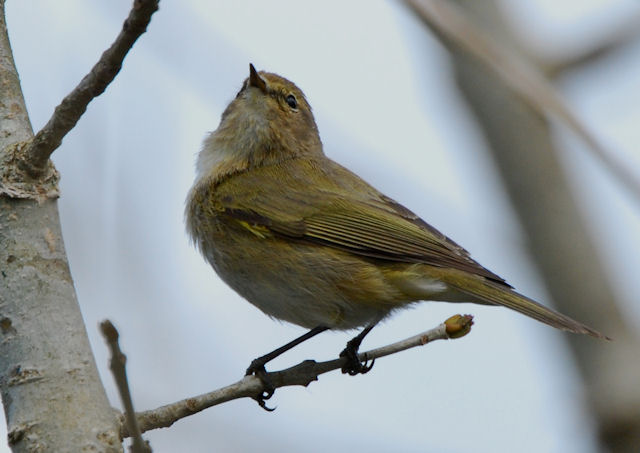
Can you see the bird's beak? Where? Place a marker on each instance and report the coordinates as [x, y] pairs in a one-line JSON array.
[[255, 80]]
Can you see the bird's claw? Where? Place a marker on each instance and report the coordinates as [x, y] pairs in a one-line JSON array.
[[353, 365], [268, 389]]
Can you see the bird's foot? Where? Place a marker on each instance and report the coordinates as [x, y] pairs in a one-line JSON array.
[[353, 365], [268, 389]]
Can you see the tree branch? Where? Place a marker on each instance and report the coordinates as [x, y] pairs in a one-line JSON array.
[[49, 384], [451, 22], [117, 364], [301, 374], [620, 35], [67, 114], [559, 240]]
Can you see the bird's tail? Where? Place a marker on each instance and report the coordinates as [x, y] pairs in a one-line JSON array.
[[495, 293]]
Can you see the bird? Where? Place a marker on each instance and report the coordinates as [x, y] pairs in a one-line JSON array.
[[309, 242]]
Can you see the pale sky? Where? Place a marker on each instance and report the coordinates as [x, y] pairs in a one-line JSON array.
[[386, 108]]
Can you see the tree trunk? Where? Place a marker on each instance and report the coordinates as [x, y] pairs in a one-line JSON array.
[[53, 397]]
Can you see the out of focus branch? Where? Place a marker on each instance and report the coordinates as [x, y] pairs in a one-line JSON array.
[[527, 157], [302, 374], [451, 23], [619, 36]]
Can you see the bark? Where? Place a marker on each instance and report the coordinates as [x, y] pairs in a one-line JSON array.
[[51, 392]]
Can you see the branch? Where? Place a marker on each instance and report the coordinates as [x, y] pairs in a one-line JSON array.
[[67, 114], [575, 275], [52, 394], [117, 365], [452, 24], [302, 374], [620, 35]]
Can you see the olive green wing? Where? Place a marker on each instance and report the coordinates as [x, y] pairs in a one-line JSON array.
[[340, 210]]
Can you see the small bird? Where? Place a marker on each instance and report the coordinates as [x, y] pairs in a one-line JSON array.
[[309, 242]]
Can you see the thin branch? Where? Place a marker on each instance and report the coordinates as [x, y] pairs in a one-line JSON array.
[[451, 22], [67, 114], [621, 35], [117, 364], [302, 374]]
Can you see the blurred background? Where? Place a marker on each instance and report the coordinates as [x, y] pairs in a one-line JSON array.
[[422, 122]]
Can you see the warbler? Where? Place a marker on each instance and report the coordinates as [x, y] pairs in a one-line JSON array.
[[309, 242]]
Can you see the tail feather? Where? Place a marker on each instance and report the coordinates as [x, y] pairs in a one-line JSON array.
[[501, 295]]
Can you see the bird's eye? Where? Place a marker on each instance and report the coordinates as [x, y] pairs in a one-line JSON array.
[[291, 100]]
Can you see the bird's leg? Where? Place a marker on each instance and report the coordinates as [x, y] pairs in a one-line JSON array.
[[354, 365], [257, 365]]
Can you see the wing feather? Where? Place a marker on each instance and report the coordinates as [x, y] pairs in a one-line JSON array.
[[356, 218]]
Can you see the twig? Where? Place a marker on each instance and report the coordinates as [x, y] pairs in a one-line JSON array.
[[117, 365], [623, 34], [67, 114], [450, 22], [302, 374]]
